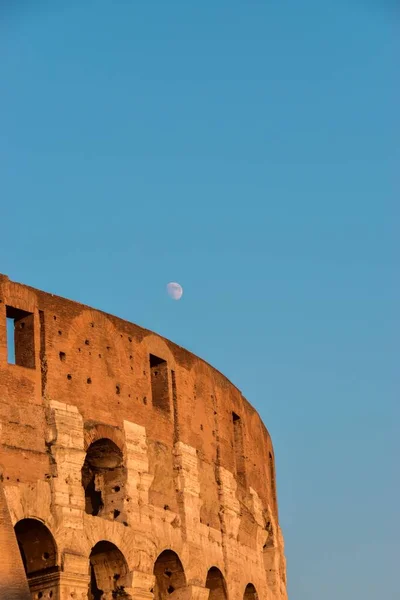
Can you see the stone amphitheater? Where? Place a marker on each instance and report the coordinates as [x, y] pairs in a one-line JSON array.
[[129, 467]]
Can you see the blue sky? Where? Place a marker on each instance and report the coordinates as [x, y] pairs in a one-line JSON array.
[[247, 150]]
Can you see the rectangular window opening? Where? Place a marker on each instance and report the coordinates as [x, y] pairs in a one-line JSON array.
[[239, 449], [20, 337], [159, 383]]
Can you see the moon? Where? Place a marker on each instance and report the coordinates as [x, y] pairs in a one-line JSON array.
[[174, 290]]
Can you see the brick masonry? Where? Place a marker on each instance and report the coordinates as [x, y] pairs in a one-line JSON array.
[[130, 467]]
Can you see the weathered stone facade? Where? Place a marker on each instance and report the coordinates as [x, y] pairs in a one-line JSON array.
[[130, 468]]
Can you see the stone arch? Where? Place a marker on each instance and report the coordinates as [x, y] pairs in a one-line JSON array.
[[169, 575], [104, 480], [215, 582], [250, 593], [156, 345], [109, 573], [39, 555], [97, 431], [36, 544]]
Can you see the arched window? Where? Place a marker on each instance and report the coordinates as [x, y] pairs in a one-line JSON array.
[[109, 573], [169, 574], [103, 478], [39, 556], [216, 584], [250, 592]]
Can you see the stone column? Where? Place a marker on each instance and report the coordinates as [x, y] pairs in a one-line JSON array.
[[142, 586], [138, 479], [190, 592], [188, 486], [75, 578], [65, 439], [230, 506], [258, 514]]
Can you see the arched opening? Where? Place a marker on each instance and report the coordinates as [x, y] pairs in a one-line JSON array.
[[250, 592], [216, 584], [37, 546], [109, 573], [103, 479], [169, 574], [39, 556]]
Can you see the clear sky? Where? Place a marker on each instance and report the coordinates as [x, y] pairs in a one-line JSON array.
[[246, 149]]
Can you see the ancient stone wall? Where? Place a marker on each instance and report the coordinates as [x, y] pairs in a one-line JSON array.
[[130, 467]]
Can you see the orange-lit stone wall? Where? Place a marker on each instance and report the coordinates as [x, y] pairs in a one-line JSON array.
[[130, 467]]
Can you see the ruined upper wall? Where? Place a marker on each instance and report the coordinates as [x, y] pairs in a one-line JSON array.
[[113, 371]]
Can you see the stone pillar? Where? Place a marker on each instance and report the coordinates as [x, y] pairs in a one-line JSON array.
[[188, 486], [138, 479], [230, 506], [65, 439], [142, 586], [75, 578], [258, 514], [45, 586], [190, 592]]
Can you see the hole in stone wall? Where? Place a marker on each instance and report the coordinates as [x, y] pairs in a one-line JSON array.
[[59, 332], [159, 383], [88, 380], [116, 513], [20, 337], [117, 389], [87, 342], [63, 356], [69, 376]]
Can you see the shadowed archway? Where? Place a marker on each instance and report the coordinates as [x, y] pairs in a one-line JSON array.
[[169, 574], [250, 593], [216, 584], [109, 573], [39, 556], [103, 479], [37, 546]]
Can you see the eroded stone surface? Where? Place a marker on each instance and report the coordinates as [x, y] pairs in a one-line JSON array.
[[130, 467]]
